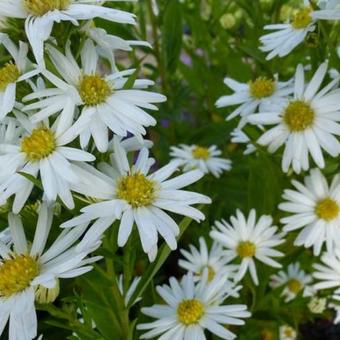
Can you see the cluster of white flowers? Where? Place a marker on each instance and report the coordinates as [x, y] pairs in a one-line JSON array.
[[54, 99], [303, 116]]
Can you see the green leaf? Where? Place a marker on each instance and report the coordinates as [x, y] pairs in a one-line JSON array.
[[172, 34], [32, 179]]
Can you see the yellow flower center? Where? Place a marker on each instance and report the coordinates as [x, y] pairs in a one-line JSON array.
[[211, 272], [8, 74], [190, 311], [17, 273], [289, 332], [41, 7], [201, 153], [246, 249], [136, 189], [262, 87], [327, 209], [39, 144], [294, 286], [302, 18], [94, 90], [298, 116]]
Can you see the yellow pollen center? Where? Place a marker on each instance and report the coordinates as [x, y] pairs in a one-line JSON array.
[[298, 116], [294, 286], [302, 18], [8, 74], [288, 332], [262, 87], [136, 189], [246, 249], [201, 153], [190, 311], [39, 144], [211, 272], [41, 7], [17, 273], [94, 90], [327, 209]]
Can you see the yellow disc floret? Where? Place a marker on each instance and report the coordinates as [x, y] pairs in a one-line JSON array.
[[246, 249], [294, 286], [39, 144], [262, 87], [211, 272], [16, 274], [94, 90], [298, 116], [200, 152], [302, 18], [41, 7], [327, 209], [190, 311], [8, 74], [136, 189]]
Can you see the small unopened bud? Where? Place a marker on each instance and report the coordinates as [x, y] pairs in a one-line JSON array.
[[317, 305], [45, 295]]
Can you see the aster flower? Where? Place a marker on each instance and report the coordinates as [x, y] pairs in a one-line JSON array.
[[104, 103], [287, 332], [24, 268], [289, 35], [314, 207], [40, 16], [191, 308], [40, 150], [198, 259], [329, 10], [258, 94], [13, 72], [328, 272], [305, 124], [248, 240], [294, 280], [133, 195], [199, 157], [107, 43], [240, 137]]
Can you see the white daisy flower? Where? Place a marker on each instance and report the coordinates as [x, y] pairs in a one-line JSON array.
[[248, 240], [314, 207], [239, 137], [25, 267], [13, 72], [287, 332], [105, 104], [289, 35], [5, 236], [199, 157], [108, 43], [40, 150], [198, 259], [133, 195], [305, 124], [328, 273], [329, 10], [252, 96], [40, 16], [191, 308], [10, 130], [295, 280]]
